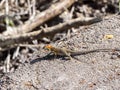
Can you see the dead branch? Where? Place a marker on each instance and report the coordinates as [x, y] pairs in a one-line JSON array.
[[20, 38], [71, 23], [51, 12]]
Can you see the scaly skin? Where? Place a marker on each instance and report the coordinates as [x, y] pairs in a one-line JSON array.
[[69, 53]]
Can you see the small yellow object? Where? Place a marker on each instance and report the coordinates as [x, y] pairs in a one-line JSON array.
[[108, 36]]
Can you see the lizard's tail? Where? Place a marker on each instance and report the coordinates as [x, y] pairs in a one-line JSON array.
[[95, 50]]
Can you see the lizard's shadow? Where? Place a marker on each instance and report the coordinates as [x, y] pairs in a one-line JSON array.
[[47, 57]]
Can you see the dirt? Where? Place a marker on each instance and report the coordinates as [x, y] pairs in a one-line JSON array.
[[94, 71]]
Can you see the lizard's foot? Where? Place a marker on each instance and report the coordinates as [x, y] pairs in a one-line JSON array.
[[72, 59]]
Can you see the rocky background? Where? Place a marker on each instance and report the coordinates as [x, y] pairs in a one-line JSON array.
[[25, 65]]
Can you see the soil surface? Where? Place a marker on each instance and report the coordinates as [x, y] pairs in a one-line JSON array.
[[93, 71]]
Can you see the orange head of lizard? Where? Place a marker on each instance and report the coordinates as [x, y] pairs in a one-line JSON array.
[[48, 47]]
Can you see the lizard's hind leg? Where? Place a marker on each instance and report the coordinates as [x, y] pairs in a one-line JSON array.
[[69, 56]]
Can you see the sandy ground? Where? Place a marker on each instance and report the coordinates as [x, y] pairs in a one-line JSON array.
[[95, 71]]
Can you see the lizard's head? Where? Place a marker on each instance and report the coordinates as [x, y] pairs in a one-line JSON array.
[[48, 47]]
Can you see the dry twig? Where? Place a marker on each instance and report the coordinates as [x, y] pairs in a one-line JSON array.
[[11, 41], [51, 12]]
